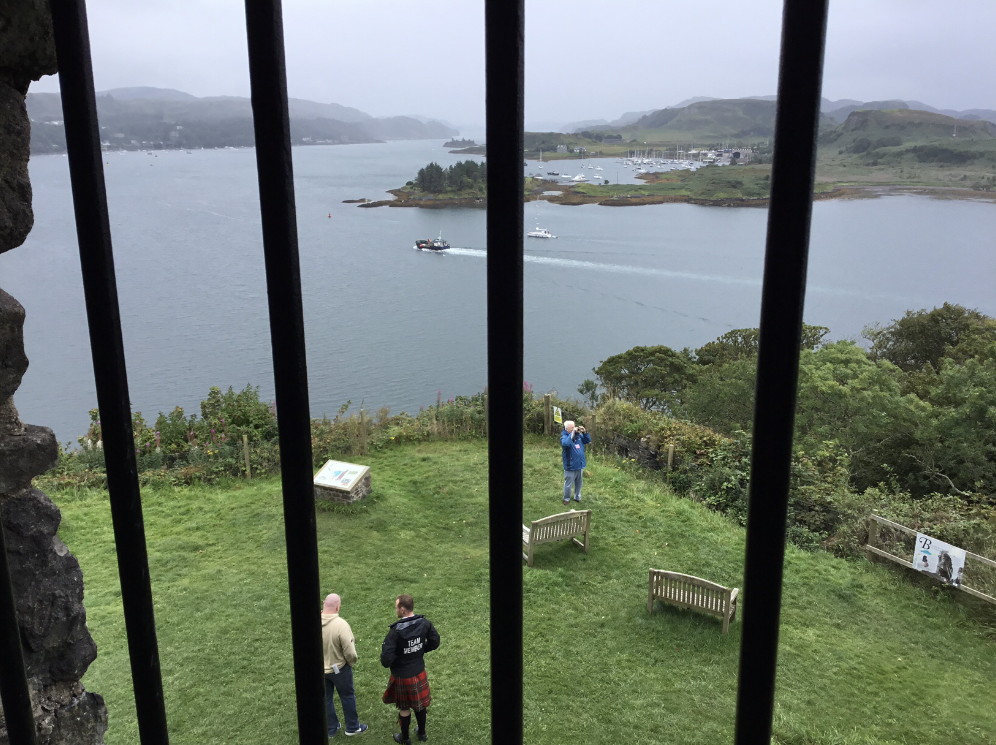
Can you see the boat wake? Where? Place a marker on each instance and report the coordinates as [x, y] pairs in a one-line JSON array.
[[647, 271], [614, 268]]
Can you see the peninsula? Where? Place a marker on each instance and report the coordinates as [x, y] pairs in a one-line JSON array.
[[870, 153]]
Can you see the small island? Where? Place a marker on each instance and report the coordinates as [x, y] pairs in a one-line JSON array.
[[464, 184], [459, 143]]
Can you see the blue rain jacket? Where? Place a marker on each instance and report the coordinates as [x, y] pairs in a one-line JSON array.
[[572, 445]]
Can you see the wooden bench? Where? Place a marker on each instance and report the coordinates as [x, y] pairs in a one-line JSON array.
[[687, 591], [556, 528]]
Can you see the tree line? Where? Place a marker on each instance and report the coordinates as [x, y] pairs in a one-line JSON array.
[[467, 175], [912, 413]]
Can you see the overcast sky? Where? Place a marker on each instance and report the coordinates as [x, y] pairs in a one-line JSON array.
[[585, 59]]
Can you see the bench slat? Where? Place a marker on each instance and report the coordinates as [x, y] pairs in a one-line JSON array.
[[563, 526], [695, 593]]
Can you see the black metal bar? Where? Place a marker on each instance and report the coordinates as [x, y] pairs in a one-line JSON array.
[[504, 59], [13, 676], [79, 111], [792, 176], [271, 121]]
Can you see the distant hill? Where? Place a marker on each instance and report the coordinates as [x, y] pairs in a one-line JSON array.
[[145, 92], [145, 118], [583, 124], [843, 112], [837, 111], [712, 120], [905, 127], [908, 136]]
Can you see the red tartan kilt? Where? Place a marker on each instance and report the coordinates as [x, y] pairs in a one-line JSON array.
[[409, 693]]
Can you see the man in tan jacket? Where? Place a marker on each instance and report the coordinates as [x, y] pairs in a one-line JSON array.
[[340, 657]]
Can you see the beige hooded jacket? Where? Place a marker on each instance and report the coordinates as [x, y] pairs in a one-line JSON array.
[[337, 641]]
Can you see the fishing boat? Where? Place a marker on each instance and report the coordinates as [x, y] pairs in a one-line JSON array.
[[432, 244], [540, 233]]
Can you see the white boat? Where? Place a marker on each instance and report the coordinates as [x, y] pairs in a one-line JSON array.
[[580, 177], [540, 233]]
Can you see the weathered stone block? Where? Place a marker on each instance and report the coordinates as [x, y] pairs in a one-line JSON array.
[[13, 361], [65, 714], [27, 44], [16, 217], [24, 456], [48, 588], [10, 422]]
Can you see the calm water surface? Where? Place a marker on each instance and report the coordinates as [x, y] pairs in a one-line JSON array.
[[390, 326]]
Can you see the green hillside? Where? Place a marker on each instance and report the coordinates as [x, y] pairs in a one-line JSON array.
[[907, 127], [741, 120], [909, 147], [868, 654]]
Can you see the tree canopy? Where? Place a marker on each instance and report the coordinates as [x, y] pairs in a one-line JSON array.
[[923, 337], [463, 176], [916, 411], [742, 344], [653, 377]]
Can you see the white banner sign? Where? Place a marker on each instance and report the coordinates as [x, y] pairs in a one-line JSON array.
[[939, 559]]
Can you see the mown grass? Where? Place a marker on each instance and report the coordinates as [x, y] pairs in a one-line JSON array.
[[867, 654]]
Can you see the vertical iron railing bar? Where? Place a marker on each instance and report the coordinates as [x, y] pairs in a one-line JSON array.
[[86, 173], [782, 298], [504, 60], [271, 123], [14, 694]]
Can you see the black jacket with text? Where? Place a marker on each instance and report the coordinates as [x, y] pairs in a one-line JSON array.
[[407, 641]]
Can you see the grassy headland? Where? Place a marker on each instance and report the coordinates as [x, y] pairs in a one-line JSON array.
[[871, 153], [858, 641]]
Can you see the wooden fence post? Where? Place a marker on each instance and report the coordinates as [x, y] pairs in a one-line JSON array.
[[363, 433], [592, 426], [547, 415], [245, 451], [872, 531], [670, 461]]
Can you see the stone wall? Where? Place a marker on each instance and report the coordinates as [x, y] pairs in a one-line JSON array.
[[640, 450], [48, 583]]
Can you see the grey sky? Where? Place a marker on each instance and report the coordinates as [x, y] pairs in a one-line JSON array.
[[585, 59]]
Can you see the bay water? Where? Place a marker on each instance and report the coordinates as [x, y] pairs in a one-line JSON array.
[[390, 326]]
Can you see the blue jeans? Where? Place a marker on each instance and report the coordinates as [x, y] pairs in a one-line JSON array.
[[343, 683], [573, 477]]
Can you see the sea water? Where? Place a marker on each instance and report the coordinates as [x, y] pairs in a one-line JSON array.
[[387, 325]]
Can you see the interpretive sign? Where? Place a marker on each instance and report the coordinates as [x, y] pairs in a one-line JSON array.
[[939, 559], [342, 482]]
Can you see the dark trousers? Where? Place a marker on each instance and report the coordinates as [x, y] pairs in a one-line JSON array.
[[343, 683]]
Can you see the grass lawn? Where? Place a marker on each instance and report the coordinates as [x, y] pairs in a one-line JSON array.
[[867, 655]]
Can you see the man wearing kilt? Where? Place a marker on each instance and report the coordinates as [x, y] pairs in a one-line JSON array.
[[408, 640]]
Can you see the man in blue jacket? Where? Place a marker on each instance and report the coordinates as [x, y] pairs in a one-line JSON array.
[[572, 442]]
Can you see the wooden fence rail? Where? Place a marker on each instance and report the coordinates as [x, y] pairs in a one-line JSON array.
[[873, 538]]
